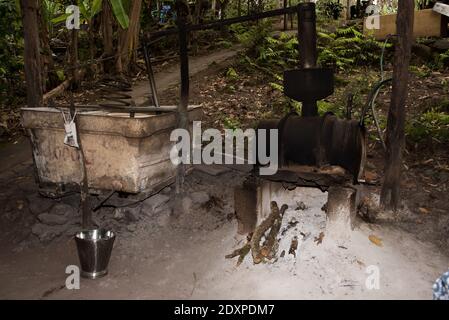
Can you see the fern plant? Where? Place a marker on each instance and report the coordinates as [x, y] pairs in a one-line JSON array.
[[347, 47]]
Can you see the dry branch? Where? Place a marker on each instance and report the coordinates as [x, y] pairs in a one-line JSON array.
[[273, 224], [61, 88]]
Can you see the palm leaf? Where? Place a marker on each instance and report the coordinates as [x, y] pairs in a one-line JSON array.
[[120, 13], [96, 7]]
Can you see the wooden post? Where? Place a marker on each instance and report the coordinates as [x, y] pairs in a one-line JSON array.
[[285, 16], [390, 194], [32, 58], [74, 59], [341, 212], [183, 120], [291, 15]]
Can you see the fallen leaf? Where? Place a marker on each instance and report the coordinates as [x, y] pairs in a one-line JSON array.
[[423, 210], [371, 176], [319, 239], [19, 204], [377, 241], [360, 263]]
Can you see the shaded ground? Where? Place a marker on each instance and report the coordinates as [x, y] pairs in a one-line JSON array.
[[170, 254]]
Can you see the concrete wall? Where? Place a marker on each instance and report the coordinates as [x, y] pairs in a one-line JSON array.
[[427, 24]]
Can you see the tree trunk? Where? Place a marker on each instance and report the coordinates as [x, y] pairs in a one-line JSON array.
[[92, 48], [107, 32], [390, 194], [32, 58], [131, 39], [197, 13], [73, 59], [48, 65], [285, 16], [348, 9], [183, 118], [213, 7]]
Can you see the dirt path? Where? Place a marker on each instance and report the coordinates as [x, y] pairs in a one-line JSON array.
[[170, 76]]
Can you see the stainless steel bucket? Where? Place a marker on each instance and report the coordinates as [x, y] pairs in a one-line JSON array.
[[94, 250]]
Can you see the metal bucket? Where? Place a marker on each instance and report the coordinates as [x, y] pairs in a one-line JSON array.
[[94, 250]]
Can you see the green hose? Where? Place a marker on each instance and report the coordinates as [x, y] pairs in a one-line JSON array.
[[374, 93]]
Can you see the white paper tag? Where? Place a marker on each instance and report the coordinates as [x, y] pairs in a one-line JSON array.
[[70, 138]]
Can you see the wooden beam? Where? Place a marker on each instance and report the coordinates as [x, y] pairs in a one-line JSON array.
[[390, 194]]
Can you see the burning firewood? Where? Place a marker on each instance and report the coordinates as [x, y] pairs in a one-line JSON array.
[[271, 224]]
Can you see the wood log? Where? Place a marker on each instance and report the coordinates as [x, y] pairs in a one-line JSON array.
[[268, 223], [273, 223], [61, 88]]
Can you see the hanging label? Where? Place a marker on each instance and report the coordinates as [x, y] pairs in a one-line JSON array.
[[71, 137]]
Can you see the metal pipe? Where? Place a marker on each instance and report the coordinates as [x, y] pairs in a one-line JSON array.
[[214, 24], [151, 76], [307, 47]]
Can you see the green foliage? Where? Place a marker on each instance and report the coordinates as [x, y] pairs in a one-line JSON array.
[[442, 60], [51, 12], [331, 9], [224, 44], [231, 123], [54, 11], [232, 74], [275, 54], [348, 47], [431, 124], [89, 8], [325, 106], [421, 72], [120, 13], [253, 37], [11, 48]]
